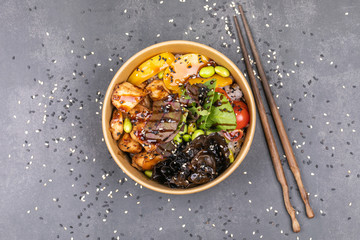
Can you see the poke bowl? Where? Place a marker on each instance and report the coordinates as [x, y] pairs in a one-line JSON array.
[[178, 117]]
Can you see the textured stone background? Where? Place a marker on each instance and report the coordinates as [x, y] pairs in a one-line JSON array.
[[58, 179]]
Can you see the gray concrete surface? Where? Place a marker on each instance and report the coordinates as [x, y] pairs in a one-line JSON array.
[[57, 179]]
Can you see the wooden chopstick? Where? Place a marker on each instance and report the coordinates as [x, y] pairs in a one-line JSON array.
[[277, 119], [268, 133]]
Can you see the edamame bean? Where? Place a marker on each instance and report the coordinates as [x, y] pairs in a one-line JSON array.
[[161, 75], [231, 156], [178, 138], [208, 132], [127, 125], [197, 133], [191, 128], [148, 173], [187, 137], [207, 72], [222, 71]]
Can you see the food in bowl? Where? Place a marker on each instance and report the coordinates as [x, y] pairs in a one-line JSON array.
[[180, 118]]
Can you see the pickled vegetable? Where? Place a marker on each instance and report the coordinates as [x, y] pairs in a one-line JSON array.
[[181, 69], [220, 81], [151, 67]]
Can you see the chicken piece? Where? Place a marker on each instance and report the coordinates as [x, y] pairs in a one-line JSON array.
[[127, 144], [146, 160], [116, 124], [148, 146], [139, 113], [136, 134], [126, 96], [157, 90], [146, 102], [142, 85]]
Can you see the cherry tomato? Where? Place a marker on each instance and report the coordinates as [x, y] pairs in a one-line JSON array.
[[242, 114], [243, 105], [235, 135], [222, 91]]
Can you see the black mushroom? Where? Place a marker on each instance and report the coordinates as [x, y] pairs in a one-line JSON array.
[[199, 162]]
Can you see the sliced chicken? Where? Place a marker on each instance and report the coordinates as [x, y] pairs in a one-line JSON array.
[[157, 90], [126, 96], [146, 160], [116, 124], [127, 144]]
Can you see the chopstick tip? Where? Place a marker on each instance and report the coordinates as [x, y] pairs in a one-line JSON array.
[[295, 225], [240, 8]]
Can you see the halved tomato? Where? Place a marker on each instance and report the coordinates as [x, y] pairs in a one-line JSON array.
[[242, 114], [234, 136]]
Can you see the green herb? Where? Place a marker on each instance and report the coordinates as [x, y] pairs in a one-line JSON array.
[[211, 84], [215, 114], [183, 119], [193, 106], [222, 116], [198, 110]]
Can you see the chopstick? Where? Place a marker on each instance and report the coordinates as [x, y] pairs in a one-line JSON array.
[[268, 133], [277, 119]]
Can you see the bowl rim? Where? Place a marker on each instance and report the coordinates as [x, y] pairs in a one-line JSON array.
[[232, 167]]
